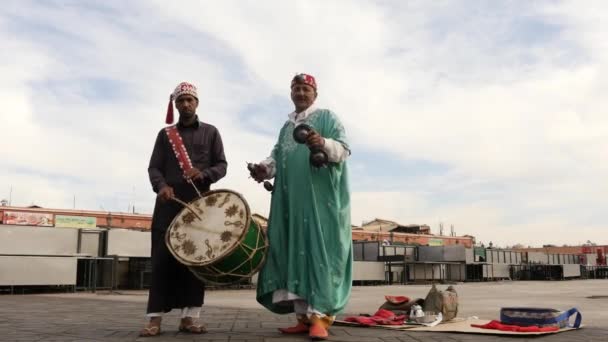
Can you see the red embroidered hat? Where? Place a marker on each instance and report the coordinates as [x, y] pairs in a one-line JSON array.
[[304, 79], [183, 88]]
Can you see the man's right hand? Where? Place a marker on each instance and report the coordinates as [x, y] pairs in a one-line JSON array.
[[166, 193], [259, 172]]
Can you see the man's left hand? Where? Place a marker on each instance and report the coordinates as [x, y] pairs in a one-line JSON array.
[[194, 174], [315, 140]]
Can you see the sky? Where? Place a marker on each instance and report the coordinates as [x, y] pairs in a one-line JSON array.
[[489, 116]]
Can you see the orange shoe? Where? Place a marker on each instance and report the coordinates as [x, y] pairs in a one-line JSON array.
[[300, 328], [318, 332]]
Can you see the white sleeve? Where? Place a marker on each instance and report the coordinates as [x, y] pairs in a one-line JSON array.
[[270, 163], [336, 152]]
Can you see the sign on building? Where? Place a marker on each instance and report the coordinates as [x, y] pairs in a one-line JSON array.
[[27, 219], [435, 242], [65, 221]]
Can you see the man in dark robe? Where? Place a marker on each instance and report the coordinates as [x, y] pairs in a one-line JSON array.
[[173, 285]]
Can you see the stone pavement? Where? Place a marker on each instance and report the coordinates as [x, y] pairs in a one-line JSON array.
[[91, 317]]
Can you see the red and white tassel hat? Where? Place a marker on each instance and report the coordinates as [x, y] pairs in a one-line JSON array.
[[183, 88]]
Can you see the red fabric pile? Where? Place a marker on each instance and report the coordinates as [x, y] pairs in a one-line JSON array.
[[397, 299], [381, 317], [497, 325]]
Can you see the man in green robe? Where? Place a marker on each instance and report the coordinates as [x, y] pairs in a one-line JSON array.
[[309, 263]]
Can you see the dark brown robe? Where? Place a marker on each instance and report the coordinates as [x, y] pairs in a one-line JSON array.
[[173, 285]]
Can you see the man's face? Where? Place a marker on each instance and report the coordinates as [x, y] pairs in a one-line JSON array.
[[186, 105], [303, 96]]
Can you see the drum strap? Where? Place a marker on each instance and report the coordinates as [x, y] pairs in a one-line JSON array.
[[178, 148]]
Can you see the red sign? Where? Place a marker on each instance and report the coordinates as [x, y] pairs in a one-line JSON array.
[[28, 219]]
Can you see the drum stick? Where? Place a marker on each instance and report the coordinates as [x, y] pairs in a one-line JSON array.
[[187, 206], [195, 188]]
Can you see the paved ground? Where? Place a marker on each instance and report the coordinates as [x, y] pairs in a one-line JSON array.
[[234, 315]]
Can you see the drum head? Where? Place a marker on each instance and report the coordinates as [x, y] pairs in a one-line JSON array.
[[215, 228]]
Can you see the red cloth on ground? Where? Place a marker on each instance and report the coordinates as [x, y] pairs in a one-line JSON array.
[[497, 325], [381, 317], [397, 299]]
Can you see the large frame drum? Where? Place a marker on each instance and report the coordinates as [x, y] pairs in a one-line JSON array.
[[216, 238]]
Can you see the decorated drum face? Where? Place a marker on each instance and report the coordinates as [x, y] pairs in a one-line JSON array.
[[209, 229]]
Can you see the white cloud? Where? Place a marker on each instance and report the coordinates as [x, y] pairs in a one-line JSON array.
[[509, 99]]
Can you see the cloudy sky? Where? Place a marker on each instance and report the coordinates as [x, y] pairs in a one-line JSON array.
[[486, 115]]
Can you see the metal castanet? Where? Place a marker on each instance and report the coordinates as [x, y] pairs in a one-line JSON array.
[[267, 185], [318, 157]]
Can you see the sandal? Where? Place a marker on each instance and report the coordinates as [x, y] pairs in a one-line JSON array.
[[192, 329], [149, 331]]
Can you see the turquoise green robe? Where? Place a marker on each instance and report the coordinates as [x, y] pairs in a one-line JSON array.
[[309, 228]]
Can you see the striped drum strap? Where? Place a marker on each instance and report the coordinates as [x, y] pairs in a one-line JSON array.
[[178, 148]]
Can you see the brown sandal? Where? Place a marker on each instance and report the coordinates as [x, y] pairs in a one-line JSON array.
[[192, 329], [149, 331]]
